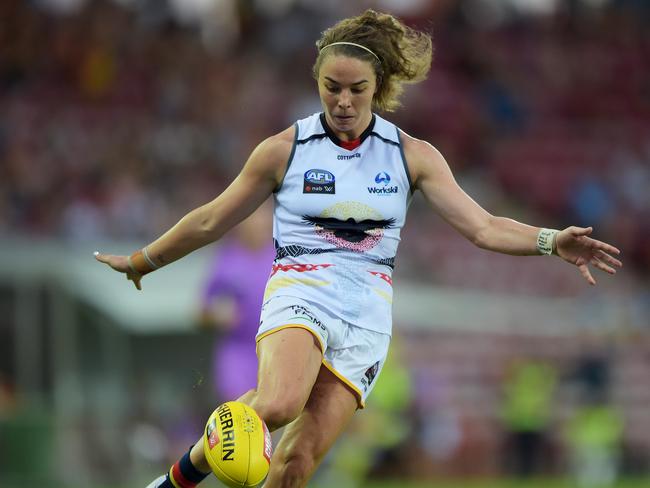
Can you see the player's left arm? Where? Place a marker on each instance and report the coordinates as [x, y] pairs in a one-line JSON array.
[[431, 175]]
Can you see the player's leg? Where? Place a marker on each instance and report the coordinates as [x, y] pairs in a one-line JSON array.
[[289, 362], [308, 438], [352, 363]]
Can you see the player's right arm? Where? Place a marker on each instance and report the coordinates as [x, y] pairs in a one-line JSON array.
[[262, 173]]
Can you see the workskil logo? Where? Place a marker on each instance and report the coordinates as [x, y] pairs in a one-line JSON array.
[[319, 181], [383, 180]]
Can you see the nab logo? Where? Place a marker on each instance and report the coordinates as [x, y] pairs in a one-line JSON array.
[[319, 181], [383, 180]]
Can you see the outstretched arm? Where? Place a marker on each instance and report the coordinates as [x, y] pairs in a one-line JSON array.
[[431, 175], [261, 174]]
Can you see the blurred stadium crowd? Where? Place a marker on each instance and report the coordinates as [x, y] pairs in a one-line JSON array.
[[118, 117]]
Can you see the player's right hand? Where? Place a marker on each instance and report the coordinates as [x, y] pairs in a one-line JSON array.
[[120, 264]]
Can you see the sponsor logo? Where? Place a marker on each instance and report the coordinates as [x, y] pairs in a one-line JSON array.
[[268, 444], [305, 313], [383, 180], [213, 435], [389, 190], [319, 181], [369, 376], [345, 157], [228, 432]]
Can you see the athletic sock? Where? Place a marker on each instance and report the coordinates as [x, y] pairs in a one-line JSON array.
[[183, 474]]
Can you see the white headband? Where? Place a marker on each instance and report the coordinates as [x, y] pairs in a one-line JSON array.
[[350, 44]]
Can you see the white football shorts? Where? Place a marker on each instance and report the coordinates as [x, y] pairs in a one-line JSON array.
[[355, 355]]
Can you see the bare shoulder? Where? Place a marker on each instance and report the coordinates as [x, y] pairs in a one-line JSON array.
[[271, 155], [278, 146], [422, 158]]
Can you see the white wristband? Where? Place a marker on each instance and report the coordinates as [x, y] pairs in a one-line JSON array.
[[546, 241], [145, 254]]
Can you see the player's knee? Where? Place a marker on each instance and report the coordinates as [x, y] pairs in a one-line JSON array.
[[277, 412], [294, 469]]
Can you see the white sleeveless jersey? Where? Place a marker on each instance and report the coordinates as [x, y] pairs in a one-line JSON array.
[[337, 221]]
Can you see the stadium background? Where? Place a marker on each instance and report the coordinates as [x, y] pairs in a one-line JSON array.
[[117, 117]]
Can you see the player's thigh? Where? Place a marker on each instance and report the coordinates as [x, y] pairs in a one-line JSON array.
[[289, 362], [307, 439]]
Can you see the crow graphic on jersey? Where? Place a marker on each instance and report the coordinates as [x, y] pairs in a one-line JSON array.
[[349, 234]]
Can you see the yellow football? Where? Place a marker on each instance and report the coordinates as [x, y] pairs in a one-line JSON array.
[[237, 445]]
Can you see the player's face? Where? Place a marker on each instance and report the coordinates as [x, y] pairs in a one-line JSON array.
[[346, 86]]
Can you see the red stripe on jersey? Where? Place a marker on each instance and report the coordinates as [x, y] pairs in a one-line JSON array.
[[383, 276], [300, 268]]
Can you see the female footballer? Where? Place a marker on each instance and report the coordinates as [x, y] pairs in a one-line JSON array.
[[342, 181]]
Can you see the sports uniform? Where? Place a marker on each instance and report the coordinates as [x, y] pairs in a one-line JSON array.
[[337, 221]]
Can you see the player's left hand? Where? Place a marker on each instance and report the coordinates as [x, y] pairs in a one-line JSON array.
[[574, 245]]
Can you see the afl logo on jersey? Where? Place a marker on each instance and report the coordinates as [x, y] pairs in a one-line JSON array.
[[318, 181]]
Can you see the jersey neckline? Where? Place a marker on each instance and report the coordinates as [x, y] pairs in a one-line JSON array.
[[349, 145]]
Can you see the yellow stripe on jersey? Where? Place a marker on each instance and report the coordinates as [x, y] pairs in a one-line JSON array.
[[277, 283], [386, 296]]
